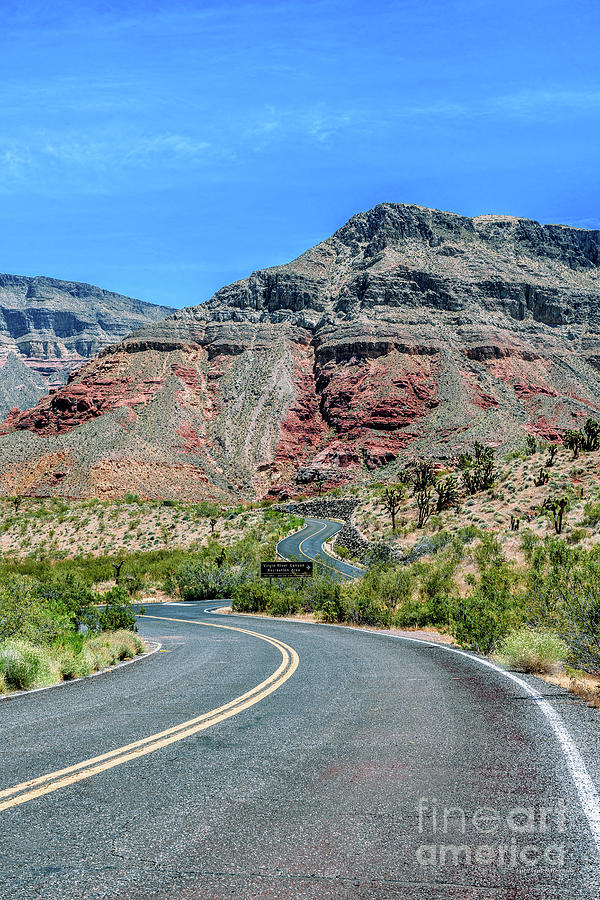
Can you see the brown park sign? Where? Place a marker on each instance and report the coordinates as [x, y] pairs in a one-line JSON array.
[[285, 569]]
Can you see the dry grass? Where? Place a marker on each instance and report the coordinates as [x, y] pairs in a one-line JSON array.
[[74, 527], [585, 686]]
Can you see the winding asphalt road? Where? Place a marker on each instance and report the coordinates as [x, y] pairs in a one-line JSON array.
[[276, 759], [308, 544]]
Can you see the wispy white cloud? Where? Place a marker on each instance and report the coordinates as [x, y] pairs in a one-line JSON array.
[[546, 102]]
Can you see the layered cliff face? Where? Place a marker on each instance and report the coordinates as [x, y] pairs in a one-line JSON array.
[[56, 325], [409, 331]]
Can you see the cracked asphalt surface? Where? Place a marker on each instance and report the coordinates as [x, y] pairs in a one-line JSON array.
[[313, 792]]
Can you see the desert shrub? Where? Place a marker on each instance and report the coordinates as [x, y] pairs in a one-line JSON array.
[[252, 596], [318, 590], [117, 613], [206, 581], [591, 514], [577, 535], [67, 595], [23, 614], [124, 644], [208, 510], [378, 554], [23, 664], [284, 603], [489, 612], [564, 595], [414, 614], [74, 665], [528, 543], [390, 585], [363, 605], [531, 650], [330, 610], [98, 653]]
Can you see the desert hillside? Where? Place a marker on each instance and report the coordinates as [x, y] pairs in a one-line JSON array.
[[409, 332]]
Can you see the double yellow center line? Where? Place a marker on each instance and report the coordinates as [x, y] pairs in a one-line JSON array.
[[54, 781]]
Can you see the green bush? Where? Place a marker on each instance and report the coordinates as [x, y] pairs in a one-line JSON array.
[[252, 596], [74, 665], [202, 581], [484, 617], [563, 590], [530, 650], [591, 514], [330, 610], [577, 535], [117, 613], [284, 603], [362, 606], [414, 614]]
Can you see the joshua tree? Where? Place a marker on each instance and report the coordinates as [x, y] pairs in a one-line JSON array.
[[531, 444], [423, 476], [424, 506], [447, 493], [16, 502], [465, 460], [552, 451], [514, 523], [221, 558], [392, 499], [574, 441], [478, 470], [117, 567], [212, 523], [591, 432], [557, 506], [319, 481], [542, 478]]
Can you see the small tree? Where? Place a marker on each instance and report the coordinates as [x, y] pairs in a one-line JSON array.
[[423, 476], [531, 444], [319, 481], [447, 493], [424, 506], [552, 451], [16, 502], [591, 433], [478, 468], [514, 523], [117, 566], [542, 478], [557, 506], [213, 522], [574, 441], [392, 498]]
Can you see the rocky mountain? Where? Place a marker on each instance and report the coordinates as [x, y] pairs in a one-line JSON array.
[[20, 386], [56, 325], [410, 331]]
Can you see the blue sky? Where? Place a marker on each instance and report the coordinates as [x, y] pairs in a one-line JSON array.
[[163, 149]]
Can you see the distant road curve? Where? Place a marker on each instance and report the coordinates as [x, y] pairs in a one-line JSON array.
[[308, 544]]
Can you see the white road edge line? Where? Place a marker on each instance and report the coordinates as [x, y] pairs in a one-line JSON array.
[[588, 795]]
